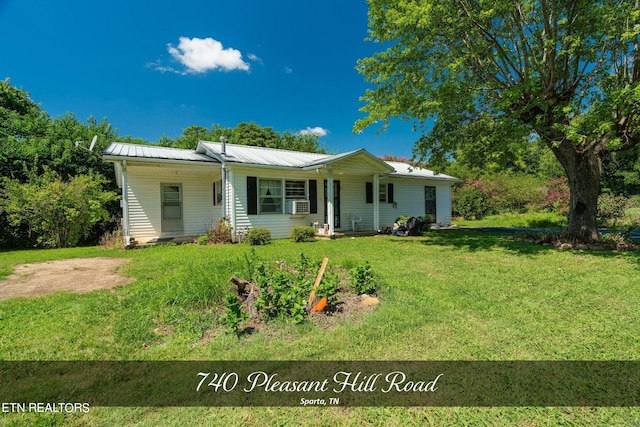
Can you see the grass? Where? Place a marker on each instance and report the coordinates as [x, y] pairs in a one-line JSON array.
[[517, 220], [539, 219], [447, 296]]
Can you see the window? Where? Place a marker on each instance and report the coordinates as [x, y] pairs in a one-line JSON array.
[[275, 196], [430, 202], [270, 196], [383, 193], [171, 199], [295, 190], [217, 193]]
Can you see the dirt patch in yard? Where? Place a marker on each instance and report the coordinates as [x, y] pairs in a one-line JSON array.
[[79, 275]]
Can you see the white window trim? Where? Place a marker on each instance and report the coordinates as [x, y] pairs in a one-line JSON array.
[[284, 198], [382, 193]]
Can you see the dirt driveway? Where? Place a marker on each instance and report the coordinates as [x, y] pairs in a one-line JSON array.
[[75, 275]]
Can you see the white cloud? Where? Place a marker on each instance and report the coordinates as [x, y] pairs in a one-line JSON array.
[[287, 70], [202, 55], [255, 58], [314, 131]]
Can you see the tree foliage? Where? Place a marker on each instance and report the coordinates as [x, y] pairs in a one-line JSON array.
[[31, 143], [245, 134], [57, 212], [500, 74]]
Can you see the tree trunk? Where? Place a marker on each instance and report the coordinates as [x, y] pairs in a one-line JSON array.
[[583, 169]]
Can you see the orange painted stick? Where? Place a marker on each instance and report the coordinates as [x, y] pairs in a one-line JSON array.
[[320, 305], [312, 297]]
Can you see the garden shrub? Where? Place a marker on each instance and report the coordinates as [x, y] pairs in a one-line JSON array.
[[220, 233], [233, 314], [362, 281], [303, 233], [633, 202], [557, 197], [203, 240], [518, 193], [611, 208], [59, 213], [113, 239], [284, 292], [475, 199], [259, 236], [471, 203]]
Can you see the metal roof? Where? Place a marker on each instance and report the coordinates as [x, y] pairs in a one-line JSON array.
[[263, 156], [137, 151], [407, 170], [211, 152]]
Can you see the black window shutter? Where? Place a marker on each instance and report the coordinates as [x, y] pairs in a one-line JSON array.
[[214, 193], [313, 196], [389, 193], [369, 192], [252, 195]]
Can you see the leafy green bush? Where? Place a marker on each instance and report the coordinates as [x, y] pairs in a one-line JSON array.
[[471, 203], [202, 240], [259, 236], [518, 193], [113, 239], [303, 233], [362, 281], [284, 292], [611, 208], [557, 197], [233, 315], [220, 233], [475, 199], [58, 212], [282, 295], [633, 202]]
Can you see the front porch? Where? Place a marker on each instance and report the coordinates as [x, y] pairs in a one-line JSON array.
[[342, 234]]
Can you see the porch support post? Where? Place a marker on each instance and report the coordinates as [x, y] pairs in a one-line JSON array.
[[330, 207], [125, 205], [223, 184], [376, 202]]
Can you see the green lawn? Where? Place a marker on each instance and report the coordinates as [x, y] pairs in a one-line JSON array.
[[517, 220], [447, 296]]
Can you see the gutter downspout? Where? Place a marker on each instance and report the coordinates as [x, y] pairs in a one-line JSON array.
[[125, 205], [376, 202], [226, 197]]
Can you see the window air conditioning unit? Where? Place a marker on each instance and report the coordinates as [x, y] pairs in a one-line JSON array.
[[298, 207]]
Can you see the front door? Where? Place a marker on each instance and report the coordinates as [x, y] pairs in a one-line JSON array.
[[171, 199], [430, 202], [336, 203]]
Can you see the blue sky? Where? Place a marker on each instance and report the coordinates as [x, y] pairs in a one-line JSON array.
[[154, 68]]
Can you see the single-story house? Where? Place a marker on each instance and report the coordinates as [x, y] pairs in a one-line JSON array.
[[169, 193]]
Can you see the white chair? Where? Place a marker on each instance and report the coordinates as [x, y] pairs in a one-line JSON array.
[[355, 218]]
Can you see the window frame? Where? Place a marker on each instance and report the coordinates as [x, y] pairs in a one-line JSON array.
[[382, 193], [261, 197]]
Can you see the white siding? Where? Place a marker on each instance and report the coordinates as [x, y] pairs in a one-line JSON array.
[[353, 198], [144, 194], [409, 195], [279, 224]]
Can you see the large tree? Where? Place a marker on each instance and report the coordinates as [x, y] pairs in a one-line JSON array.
[[509, 71], [246, 134]]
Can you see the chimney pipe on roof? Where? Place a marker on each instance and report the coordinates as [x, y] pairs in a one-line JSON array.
[[223, 139]]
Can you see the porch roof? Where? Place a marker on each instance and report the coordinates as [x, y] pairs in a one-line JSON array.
[[120, 150], [262, 156]]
